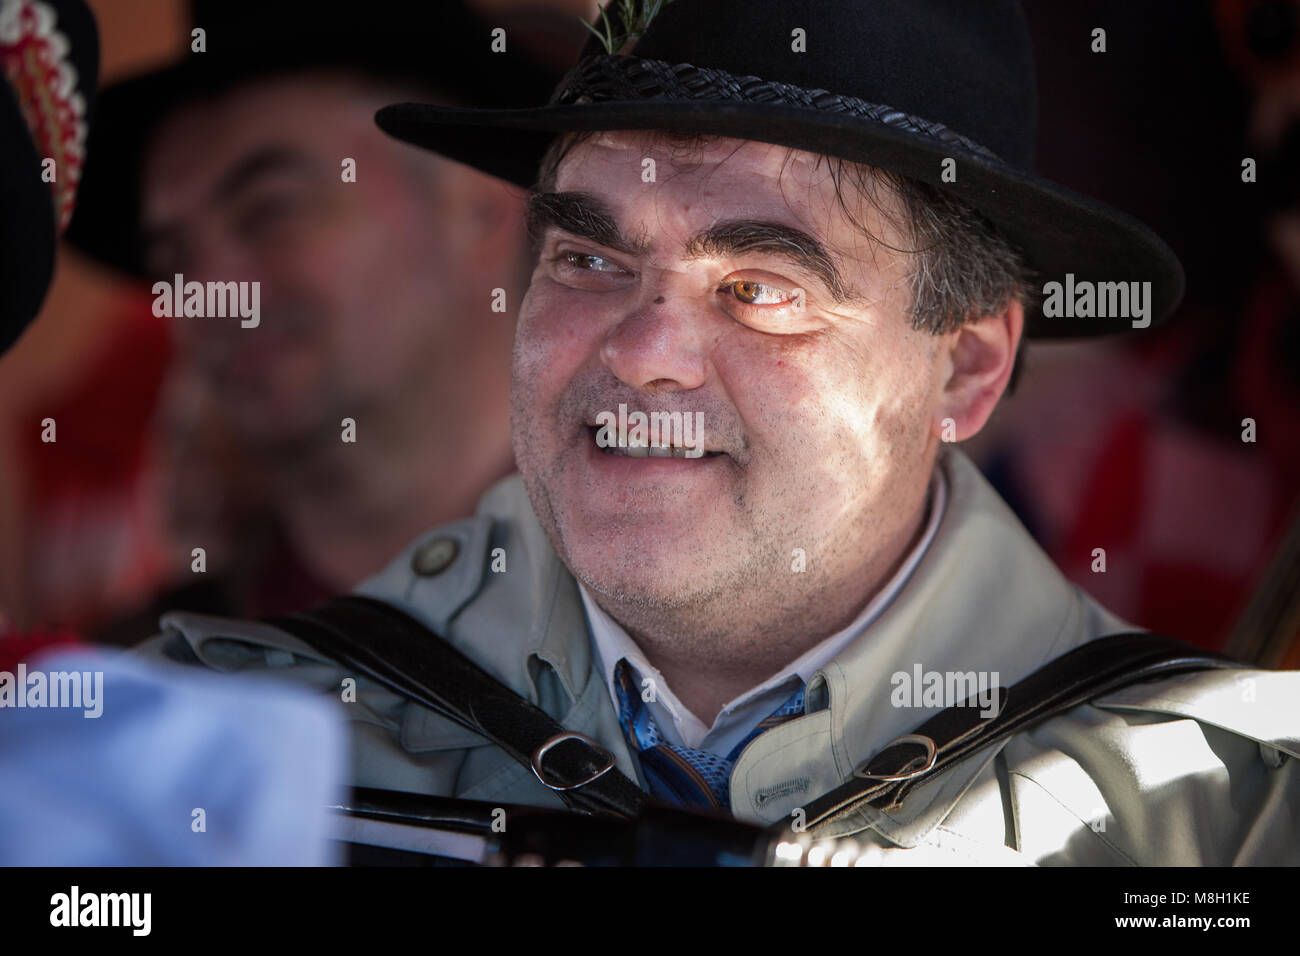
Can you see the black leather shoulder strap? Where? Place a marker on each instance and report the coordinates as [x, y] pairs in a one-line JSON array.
[[1089, 671], [404, 655], [393, 648]]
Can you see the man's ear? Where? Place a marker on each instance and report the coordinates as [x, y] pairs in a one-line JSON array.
[[980, 357]]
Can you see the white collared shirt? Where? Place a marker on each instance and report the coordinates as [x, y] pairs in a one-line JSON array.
[[736, 719]]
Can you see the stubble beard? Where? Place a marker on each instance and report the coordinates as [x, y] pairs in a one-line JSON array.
[[719, 601]]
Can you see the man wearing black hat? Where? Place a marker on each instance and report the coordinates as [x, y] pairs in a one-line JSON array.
[[364, 373], [784, 264]]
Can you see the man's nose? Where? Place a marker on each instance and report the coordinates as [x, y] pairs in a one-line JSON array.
[[660, 344]]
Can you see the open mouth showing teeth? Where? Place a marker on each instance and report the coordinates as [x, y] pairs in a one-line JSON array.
[[652, 451]]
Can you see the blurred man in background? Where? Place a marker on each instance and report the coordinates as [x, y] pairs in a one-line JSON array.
[[167, 770], [369, 398]]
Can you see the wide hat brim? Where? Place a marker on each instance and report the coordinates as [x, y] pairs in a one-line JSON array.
[[1059, 231]]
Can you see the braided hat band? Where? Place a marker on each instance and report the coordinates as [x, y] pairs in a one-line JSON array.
[[608, 78]]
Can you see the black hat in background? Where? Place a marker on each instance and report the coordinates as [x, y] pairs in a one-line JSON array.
[[49, 64], [898, 84], [443, 47]]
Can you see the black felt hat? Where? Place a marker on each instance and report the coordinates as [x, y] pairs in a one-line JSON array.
[[49, 62], [442, 47], [897, 84]]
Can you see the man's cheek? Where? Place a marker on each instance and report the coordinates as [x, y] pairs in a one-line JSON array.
[[536, 383], [535, 326], [533, 366], [568, 317], [544, 367]]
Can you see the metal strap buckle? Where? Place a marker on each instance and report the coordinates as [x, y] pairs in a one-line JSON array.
[[559, 738], [909, 772]]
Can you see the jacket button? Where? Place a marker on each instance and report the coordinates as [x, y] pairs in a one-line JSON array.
[[434, 556]]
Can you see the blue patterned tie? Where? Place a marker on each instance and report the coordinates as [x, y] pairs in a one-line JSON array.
[[683, 776]]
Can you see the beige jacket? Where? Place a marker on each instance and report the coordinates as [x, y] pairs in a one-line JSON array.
[[1201, 769]]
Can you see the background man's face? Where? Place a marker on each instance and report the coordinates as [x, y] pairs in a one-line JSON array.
[[821, 418], [361, 282]]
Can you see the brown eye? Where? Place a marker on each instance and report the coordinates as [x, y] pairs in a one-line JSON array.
[[756, 293]]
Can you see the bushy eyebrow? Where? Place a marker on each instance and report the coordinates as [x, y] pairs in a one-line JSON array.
[[736, 237], [583, 215], [589, 217]]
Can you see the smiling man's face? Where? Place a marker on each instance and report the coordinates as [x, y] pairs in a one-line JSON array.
[[820, 422]]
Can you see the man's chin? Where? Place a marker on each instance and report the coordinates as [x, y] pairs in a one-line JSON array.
[[641, 572], [647, 551], [631, 590]]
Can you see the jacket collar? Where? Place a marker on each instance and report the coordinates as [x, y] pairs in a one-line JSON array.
[[506, 600], [557, 628], [508, 603]]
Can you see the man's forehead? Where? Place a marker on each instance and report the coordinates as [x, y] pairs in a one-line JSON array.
[[655, 182], [648, 157], [693, 148]]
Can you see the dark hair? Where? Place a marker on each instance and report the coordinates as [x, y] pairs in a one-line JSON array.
[[962, 267]]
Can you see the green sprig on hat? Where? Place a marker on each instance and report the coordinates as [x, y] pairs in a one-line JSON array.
[[633, 16]]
